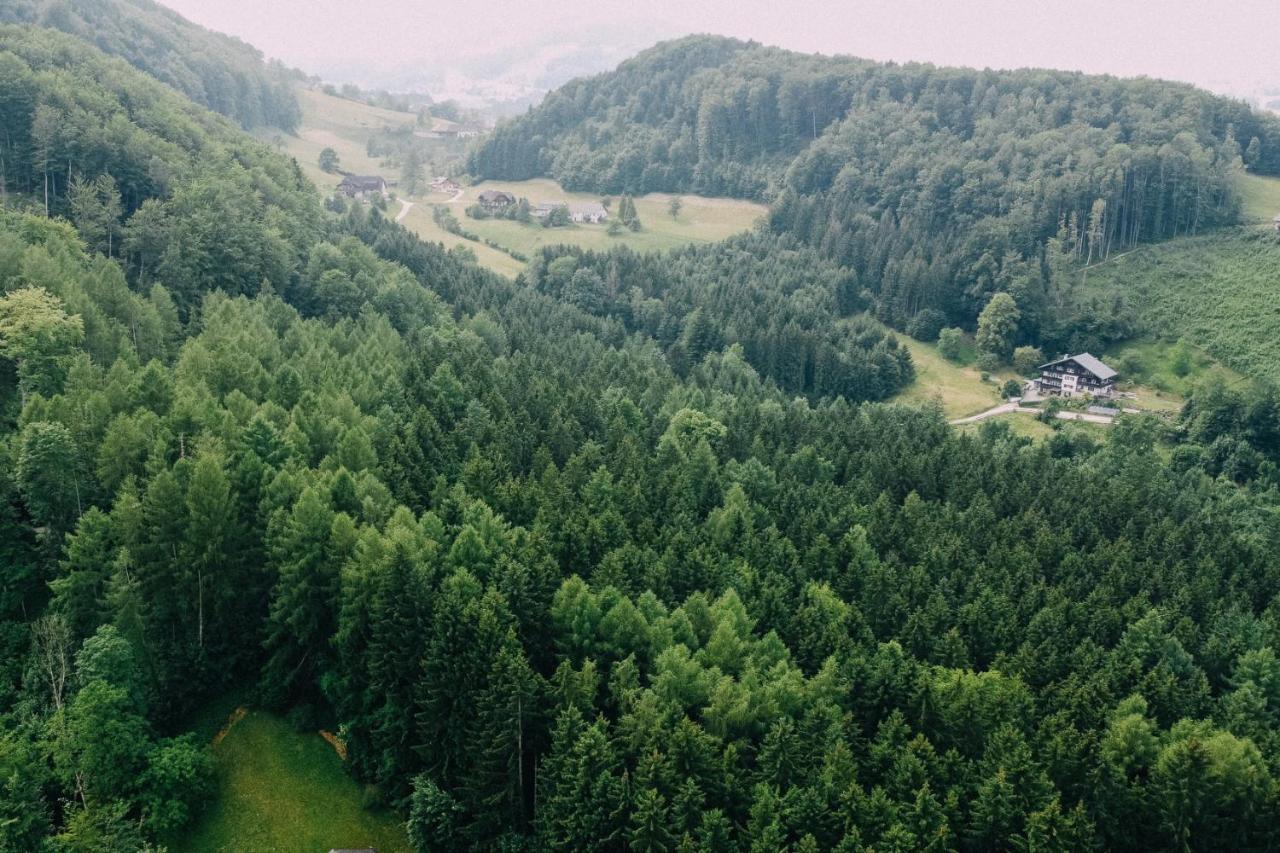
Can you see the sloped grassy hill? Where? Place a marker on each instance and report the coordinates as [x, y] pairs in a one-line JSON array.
[[1220, 291]]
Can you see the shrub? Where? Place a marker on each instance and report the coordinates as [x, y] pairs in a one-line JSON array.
[[1012, 388], [988, 361], [951, 343], [1027, 359]]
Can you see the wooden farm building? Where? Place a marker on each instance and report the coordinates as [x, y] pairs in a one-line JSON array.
[[493, 200], [362, 186], [1076, 374]]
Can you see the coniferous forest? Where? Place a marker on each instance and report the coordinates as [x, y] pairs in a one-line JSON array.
[[629, 553], [935, 187]]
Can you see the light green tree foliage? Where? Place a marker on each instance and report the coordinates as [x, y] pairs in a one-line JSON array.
[[998, 326], [37, 334]]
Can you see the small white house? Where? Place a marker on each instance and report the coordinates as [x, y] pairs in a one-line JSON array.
[[591, 212]]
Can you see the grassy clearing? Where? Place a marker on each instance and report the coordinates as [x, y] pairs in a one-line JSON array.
[[1019, 424], [1221, 292], [279, 790], [701, 220], [420, 221], [958, 388], [1164, 373], [1259, 196], [345, 126], [1146, 366]]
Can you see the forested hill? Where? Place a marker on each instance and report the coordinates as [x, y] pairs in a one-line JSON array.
[[724, 117], [218, 71], [937, 187], [178, 193]]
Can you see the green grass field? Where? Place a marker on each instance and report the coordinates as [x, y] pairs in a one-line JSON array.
[[279, 790], [1260, 197], [1163, 373], [345, 126], [958, 388], [701, 220], [1220, 291], [420, 221]]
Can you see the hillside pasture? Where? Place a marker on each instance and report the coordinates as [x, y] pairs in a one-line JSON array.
[[345, 126], [279, 790], [1259, 198], [957, 387], [701, 220], [1220, 292]]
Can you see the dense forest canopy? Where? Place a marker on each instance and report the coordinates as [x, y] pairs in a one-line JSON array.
[[177, 192], [936, 186], [616, 556], [215, 70], [796, 317]]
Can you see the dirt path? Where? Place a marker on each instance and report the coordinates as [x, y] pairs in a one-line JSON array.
[[1006, 408], [236, 716], [1085, 416], [1002, 409], [405, 207]]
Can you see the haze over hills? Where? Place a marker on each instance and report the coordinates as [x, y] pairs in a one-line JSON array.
[[1230, 53], [498, 79]]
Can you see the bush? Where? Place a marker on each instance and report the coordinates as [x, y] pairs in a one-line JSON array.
[[926, 325], [988, 361], [951, 343], [1027, 359], [1012, 388]]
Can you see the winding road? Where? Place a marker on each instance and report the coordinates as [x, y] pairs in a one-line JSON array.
[[404, 209]]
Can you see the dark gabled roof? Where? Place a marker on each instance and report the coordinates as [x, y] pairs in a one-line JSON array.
[[496, 195], [363, 182], [1088, 362]]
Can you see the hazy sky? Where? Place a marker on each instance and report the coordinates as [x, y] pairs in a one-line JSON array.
[[1197, 40]]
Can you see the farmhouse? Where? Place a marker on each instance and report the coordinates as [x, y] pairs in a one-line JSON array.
[[445, 185], [1076, 374], [362, 186], [591, 212], [495, 200]]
